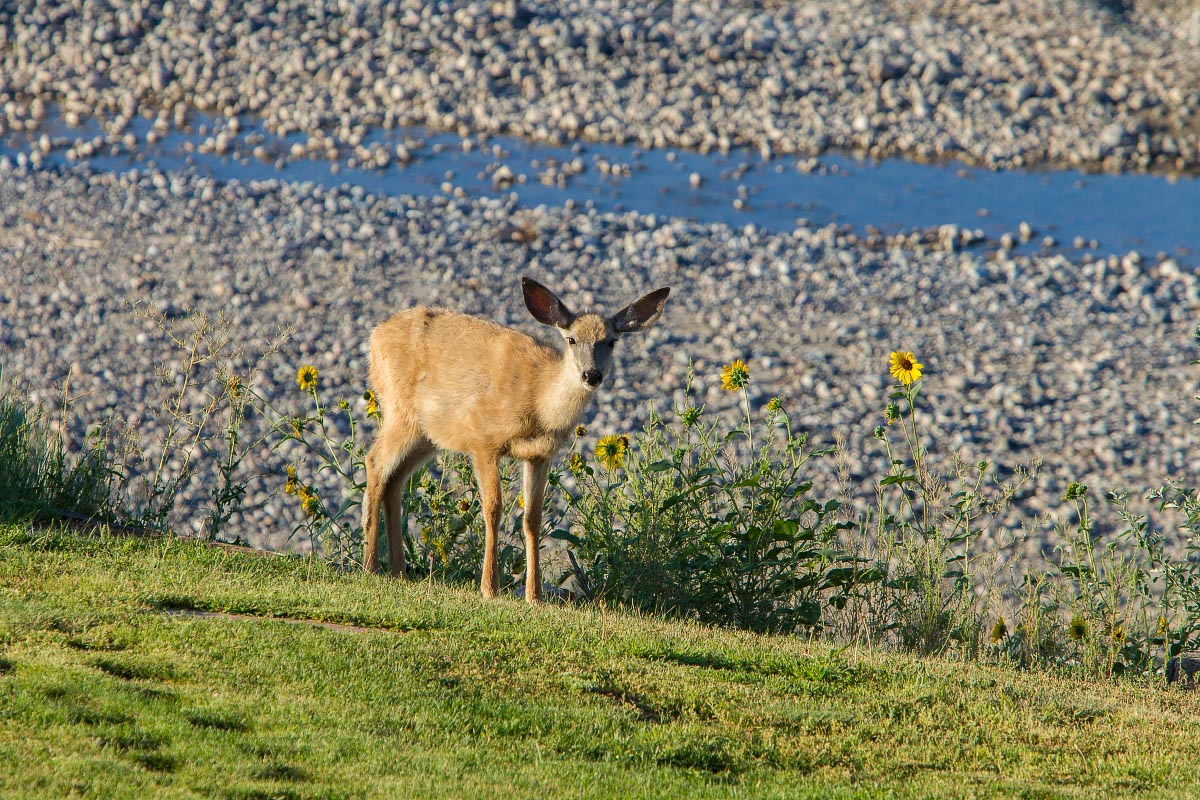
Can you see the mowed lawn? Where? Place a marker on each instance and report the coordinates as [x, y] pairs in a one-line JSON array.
[[114, 684]]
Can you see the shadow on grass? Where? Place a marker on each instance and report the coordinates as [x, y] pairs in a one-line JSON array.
[[90, 716], [217, 720], [187, 606], [156, 762], [280, 772], [131, 670], [829, 671], [645, 711], [96, 647]]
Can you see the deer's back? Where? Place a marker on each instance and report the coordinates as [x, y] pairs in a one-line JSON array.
[[464, 382]]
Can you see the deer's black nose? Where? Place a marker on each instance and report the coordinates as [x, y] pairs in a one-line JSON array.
[[592, 377]]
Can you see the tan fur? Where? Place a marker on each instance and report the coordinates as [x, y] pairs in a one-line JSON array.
[[449, 381]]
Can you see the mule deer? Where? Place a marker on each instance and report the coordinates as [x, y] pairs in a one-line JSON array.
[[451, 381]]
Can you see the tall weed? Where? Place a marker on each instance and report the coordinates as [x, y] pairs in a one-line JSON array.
[[205, 400]]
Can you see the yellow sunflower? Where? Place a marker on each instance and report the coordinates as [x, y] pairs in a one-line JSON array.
[[999, 631], [735, 376], [307, 377], [1078, 629], [372, 404], [610, 451], [308, 500], [904, 367]]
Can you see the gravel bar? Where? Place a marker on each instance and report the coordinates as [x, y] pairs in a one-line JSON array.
[[1101, 85]]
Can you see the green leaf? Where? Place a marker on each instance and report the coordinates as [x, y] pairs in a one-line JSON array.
[[672, 501], [871, 575], [786, 528], [564, 536], [775, 555], [808, 505], [839, 576], [809, 612], [897, 479]]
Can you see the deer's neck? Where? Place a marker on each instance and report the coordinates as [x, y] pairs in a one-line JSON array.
[[563, 398]]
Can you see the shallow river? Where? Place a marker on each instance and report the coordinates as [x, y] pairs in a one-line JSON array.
[[1083, 213]]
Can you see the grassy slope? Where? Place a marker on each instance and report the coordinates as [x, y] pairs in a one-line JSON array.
[[105, 693]]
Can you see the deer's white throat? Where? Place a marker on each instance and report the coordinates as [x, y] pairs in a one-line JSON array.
[[564, 399]]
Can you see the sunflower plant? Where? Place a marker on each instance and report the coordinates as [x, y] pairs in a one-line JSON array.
[[330, 493], [683, 518], [926, 527], [1172, 576], [1108, 593]]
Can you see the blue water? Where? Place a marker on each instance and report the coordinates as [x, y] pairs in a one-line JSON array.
[[1148, 213]]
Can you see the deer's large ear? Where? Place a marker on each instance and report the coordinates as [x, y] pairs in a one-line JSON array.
[[545, 306], [641, 313]]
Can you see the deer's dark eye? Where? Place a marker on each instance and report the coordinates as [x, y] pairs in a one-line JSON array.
[[570, 340]]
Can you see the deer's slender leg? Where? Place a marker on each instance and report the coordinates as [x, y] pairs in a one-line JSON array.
[[535, 491], [487, 472], [371, 502], [393, 448], [393, 503]]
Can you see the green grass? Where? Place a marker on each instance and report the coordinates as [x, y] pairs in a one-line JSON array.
[[112, 685], [39, 481]]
